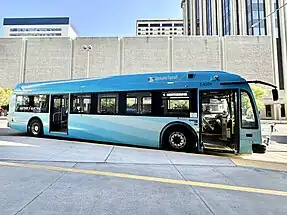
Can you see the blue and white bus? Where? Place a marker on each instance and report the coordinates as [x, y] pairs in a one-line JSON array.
[[185, 111]]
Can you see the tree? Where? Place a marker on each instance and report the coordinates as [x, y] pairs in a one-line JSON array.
[[5, 96], [258, 93]]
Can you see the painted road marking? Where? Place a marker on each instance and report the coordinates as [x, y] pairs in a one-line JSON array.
[[148, 178], [7, 143]]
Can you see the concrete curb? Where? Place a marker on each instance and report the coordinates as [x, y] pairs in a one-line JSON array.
[[3, 118], [262, 164], [273, 121]]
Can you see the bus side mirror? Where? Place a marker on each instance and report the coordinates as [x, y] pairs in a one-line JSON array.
[[275, 94]]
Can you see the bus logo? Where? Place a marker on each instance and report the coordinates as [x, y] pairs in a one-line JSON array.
[[150, 79]]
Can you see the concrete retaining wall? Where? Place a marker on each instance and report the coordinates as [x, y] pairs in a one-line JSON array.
[[39, 59]]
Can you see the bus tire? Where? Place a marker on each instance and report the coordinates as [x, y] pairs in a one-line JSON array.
[[179, 138], [259, 148], [35, 128]]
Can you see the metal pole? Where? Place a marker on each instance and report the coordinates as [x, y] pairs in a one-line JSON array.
[[88, 64], [88, 49]]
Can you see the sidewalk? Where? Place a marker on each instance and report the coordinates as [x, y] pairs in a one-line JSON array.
[[264, 121], [276, 152], [3, 118]]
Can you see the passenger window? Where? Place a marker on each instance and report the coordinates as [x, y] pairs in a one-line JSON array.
[[138, 103], [176, 103], [33, 103], [81, 103], [108, 104], [132, 105], [248, 116], [146, 105]]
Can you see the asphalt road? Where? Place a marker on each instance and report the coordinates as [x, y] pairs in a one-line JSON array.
[[48, 176]]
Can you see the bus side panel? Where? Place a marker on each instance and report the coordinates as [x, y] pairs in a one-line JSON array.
[[134, 130], [247, 138], [21, 119]]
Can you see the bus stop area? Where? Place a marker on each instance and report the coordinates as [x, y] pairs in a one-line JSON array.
[[53, 176]]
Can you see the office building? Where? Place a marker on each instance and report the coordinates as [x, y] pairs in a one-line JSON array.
[[159, 27], [38, 27], [244, 17]]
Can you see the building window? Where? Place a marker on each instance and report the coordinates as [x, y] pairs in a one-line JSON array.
[[178, 24], [142, 25], [81, 103], [154, 25], [268, 111], [166, 25], [283, 114]]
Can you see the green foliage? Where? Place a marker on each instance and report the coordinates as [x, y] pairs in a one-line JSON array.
[[178, 104], [258, 93], [5, 96]]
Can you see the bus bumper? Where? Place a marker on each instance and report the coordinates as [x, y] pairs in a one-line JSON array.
[[259, 148]]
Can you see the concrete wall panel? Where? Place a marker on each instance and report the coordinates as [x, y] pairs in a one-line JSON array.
[[196, 53], [145, 54], [48, 59], [104, 56], [250, 57], [10, 62]]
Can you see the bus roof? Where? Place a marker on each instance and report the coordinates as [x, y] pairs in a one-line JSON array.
[[145, 81]]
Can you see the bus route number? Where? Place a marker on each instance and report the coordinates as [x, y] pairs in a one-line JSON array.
[[205, 84]]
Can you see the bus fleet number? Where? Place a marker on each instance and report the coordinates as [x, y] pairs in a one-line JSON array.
[[205, 84]]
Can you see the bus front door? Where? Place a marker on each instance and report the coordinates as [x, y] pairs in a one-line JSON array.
[[59, 113], [219, 120]]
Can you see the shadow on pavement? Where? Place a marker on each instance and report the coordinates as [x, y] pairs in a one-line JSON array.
[[10, 132], [279, 139]]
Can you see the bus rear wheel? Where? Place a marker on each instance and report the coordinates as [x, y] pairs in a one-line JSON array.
[[35, 128], [179, 139]]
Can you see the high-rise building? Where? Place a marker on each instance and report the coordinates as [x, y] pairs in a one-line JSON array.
[[243, 17], [159, 27], [38, 27]]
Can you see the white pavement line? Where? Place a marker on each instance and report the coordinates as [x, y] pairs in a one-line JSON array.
[[7, 143]]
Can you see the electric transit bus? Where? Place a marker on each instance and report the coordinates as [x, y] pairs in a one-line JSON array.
[[183, 111]]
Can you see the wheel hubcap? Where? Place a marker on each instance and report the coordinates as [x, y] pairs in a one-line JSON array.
[[35, 129], [177, 140]]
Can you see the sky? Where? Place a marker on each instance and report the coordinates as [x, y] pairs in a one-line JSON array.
[[94, 17]]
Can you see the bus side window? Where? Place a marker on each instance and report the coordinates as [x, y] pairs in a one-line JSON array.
[[81, 103], [108, 103], [138, 103]]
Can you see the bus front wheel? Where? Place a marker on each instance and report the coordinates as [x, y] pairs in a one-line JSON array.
[[179, 138], [35, 128]]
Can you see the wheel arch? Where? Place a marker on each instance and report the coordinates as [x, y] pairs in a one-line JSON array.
[[173, 124]]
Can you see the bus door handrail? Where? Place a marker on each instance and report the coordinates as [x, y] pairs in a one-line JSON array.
[[56, 114]]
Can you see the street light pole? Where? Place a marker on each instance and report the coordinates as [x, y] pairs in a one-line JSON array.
[[256, 23], [88, 49]]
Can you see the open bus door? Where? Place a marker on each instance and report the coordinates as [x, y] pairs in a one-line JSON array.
[[218, 114], [59, 112], [250, 133]]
